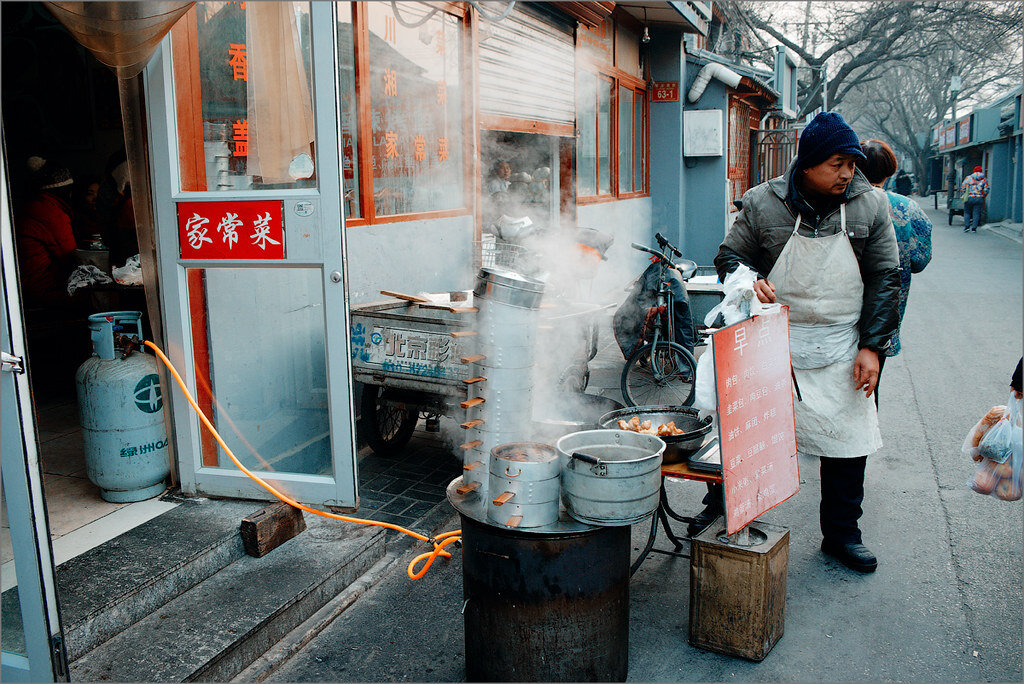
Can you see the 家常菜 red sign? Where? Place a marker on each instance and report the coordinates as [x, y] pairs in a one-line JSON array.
[[755, 416], [231, 230]]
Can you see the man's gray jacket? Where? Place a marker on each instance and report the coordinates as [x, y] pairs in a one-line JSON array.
[[765, 223]]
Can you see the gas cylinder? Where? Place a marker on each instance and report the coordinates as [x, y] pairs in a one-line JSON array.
[[120, 405]]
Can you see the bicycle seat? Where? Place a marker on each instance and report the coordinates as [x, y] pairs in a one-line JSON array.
[[686, 268]]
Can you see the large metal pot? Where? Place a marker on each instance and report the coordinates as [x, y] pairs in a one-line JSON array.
[[503, 286], [504, 358], [610, 477], [678, 447], [558, 414]]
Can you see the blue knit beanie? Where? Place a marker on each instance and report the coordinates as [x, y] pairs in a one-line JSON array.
[[827, 134]]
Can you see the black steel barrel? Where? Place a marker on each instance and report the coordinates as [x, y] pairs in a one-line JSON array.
[[545, 607]]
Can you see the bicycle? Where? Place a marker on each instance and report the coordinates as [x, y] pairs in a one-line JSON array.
[[660, 371]]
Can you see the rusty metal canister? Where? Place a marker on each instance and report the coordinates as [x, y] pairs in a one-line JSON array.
[[545, 607]]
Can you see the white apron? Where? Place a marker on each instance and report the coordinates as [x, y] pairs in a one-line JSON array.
[[819, 279]]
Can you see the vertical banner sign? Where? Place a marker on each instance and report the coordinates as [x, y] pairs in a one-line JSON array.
[[755, 416], [231, 230]]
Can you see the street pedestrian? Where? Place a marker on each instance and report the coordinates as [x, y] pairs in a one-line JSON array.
[[903, 183], [975, 189], [822, 242], [913, 231]]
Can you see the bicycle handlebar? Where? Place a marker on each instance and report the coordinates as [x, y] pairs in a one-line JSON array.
[[665, 244]]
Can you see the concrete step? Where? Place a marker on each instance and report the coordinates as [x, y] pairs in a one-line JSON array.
[[116, 584], [221, 625]]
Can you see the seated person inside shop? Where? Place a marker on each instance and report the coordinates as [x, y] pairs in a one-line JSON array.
[[822, 241]]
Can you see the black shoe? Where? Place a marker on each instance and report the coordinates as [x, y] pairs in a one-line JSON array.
[[854, 556], [702, 520], [967, 230], [974, 230]]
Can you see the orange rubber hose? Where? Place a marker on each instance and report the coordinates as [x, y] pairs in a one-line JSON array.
[[438, 550]]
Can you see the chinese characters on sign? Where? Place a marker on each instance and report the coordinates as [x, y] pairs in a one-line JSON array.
[[231, 230], [240, 134], [413, 352], [755, 413], [238, 61], [665, 91]]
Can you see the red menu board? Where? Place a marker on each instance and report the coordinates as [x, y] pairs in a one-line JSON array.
[[249, 229], [755, 416]]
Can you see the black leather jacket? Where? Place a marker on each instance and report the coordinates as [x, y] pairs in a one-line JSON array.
[[765, 223]]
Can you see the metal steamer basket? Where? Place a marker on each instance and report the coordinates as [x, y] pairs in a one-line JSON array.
[[610, 477], [506, 337], [677, 447], [523, 485]]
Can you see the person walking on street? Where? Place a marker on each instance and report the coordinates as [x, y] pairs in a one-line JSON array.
[[913, 231], [975, 189], [822, 242]]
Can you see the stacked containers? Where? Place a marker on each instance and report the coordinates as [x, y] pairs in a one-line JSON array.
[[523, 485], [508, 305]]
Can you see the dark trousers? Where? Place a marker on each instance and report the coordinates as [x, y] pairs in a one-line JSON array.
[[881, 365], [972, 212], [842, 492]]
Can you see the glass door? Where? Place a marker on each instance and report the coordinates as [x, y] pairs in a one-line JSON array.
[[32, 647], [247, 192]]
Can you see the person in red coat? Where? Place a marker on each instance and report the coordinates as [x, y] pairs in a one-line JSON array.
[[45, 238]]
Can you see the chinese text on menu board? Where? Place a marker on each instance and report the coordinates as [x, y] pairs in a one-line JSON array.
[[755, 413], [231, 230]]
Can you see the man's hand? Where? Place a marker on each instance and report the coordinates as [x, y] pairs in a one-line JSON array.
[[765, 291], [865, 370]]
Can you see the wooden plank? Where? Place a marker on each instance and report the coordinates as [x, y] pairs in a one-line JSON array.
[[472, 423], [503, 498], [478, 378], [268, 528], [467, 488], [452, 309], [470, 445], [472, 359], [470, 403], [463, 333], [406, 297], [514, 521], [473, 466]]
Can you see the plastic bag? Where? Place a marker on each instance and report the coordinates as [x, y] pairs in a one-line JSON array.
[[740, 301], [86, 275], [997, 445], [704, 396], [130, 273]]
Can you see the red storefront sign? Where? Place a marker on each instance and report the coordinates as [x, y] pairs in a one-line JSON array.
[[665, 91], [231, 230], [755, 416]]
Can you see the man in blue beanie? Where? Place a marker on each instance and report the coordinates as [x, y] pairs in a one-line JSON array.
[[821, 240]]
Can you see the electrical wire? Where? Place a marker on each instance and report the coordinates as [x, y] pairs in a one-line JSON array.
[[408, 24], [494, 20], [439, 542]]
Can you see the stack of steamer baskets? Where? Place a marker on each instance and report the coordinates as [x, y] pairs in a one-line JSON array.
[[500, 404]]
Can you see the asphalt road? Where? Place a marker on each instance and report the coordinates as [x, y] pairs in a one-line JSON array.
[[945, 604]]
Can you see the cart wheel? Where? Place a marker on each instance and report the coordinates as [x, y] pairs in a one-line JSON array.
[[667, 379], [385, 427]]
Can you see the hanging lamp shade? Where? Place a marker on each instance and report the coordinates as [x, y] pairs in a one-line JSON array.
[[122, 35]]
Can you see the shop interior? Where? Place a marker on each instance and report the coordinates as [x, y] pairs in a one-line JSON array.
[[61, 104]]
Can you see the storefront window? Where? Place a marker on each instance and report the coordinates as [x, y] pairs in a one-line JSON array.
[[244, 96], [416, 108], [594, 121], [625, 140], [347, 111]]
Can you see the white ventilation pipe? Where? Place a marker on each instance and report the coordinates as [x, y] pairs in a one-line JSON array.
[[712, 70]]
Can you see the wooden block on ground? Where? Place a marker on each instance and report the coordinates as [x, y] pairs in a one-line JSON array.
[[268, 528]]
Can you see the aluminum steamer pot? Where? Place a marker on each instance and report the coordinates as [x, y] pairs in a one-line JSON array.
[[523, 485], [610, 477], [678, 447], [508, 287]]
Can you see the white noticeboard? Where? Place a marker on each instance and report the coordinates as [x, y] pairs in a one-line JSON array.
[[702, 133]]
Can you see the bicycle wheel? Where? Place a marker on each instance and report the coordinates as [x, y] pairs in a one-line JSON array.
[[662, 378]]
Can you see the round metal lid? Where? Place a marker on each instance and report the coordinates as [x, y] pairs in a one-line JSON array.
[[508, 278]]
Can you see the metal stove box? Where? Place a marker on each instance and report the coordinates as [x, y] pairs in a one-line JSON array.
[[738, 593]]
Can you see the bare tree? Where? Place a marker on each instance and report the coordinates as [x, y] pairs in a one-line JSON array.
[[860, 42]]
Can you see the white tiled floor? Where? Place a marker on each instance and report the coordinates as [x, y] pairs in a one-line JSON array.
[[79, 518]]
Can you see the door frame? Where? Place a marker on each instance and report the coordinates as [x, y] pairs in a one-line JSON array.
[[45, 657], [195, 478]]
